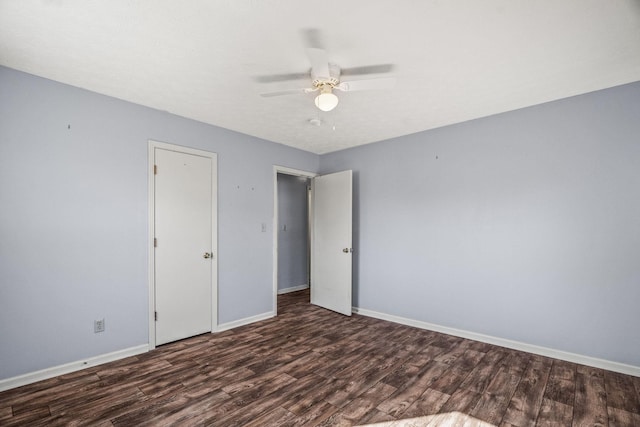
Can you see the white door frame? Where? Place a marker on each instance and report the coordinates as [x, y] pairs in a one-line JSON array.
[[287, 171], [214, 232]]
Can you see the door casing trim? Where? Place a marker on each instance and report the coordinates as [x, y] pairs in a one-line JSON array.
[[152, 145]]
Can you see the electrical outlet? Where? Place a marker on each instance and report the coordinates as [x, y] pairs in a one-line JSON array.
[[98, 326]]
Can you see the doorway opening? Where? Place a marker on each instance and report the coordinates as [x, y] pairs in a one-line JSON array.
[[291, 230], [330, 218], [293, 233]]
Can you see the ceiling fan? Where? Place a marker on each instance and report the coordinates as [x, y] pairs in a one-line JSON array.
[[326, 77]]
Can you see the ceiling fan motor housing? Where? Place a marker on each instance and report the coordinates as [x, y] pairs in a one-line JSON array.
[[333, 80]]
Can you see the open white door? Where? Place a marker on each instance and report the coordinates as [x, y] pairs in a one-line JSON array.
[[331, 249]]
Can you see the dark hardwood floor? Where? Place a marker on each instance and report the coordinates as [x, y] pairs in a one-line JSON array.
[[310, 366]]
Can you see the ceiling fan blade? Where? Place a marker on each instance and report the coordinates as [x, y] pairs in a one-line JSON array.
[[319, 62], [312, 38], [368, 84], [281, 77], [288, 92], [282, 92], [367, 69]]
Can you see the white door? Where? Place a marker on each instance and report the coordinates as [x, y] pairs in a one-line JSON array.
[[183, 217], [331, 249]]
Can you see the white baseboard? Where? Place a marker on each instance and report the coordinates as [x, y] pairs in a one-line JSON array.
[[54, 371], [515, 345], [292, 289], [245, 321], [66, 368]]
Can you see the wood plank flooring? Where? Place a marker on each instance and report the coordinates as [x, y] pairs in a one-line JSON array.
[[313, 367]]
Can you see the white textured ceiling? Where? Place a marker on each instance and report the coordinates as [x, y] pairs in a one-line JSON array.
[[454, 60]]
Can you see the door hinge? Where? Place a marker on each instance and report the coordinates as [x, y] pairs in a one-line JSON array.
[[155, 242], [155, 169], [155, 316]]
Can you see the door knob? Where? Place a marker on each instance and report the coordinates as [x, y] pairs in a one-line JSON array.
[[208, 255], [347, 250]]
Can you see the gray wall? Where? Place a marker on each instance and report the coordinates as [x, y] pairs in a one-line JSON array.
[[523, 226], [74, 218], [293, 232]]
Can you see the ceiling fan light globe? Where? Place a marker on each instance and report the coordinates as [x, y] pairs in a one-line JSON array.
[[326, 101]]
